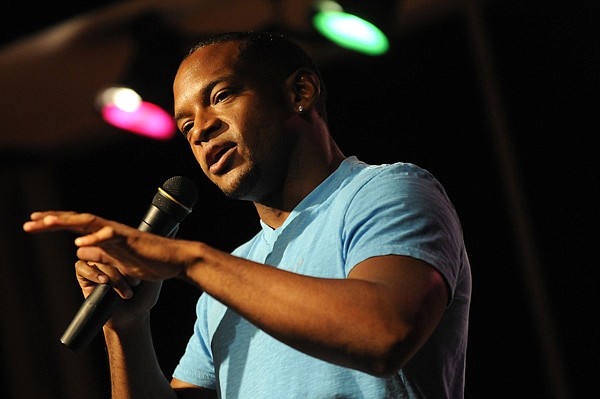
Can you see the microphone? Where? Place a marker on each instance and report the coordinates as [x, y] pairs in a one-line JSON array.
[[170, 205]]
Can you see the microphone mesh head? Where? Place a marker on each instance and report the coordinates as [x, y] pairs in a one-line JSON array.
[[184, 196], [182, 189]]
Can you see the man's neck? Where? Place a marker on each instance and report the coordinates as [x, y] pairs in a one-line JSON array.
[[274, 211]]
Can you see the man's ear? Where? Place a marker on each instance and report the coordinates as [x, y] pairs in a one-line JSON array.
[[304, 89]]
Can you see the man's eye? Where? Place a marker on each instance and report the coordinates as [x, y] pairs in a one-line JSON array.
[[185, 129], [222, 96]]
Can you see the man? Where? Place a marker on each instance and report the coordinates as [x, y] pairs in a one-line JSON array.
[[357, 286]]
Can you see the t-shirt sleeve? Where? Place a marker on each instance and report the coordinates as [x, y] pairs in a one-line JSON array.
[[404, 210], [196, 365]]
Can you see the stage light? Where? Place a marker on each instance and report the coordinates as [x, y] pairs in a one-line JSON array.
[[348, 30], [123, 108], [137, 101]]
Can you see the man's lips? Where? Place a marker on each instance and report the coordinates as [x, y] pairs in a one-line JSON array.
[[217, 156]]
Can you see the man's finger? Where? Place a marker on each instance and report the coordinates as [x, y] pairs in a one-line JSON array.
[[57, 220], [103, 273], [104, 234]]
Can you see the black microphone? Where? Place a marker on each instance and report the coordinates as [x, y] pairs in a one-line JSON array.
[[171, 204]]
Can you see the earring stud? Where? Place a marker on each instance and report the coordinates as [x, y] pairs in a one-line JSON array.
[[300, 108]]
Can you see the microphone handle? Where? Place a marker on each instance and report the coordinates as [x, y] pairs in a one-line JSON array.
[[100, 304], [91, 316]]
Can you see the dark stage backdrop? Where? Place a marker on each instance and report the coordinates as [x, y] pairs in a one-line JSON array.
[[422, 103]]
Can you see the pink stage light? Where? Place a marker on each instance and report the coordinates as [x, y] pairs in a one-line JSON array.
[[147, 120], [124, 108]]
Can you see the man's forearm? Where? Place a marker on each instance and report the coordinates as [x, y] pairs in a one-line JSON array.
[[134, 368]]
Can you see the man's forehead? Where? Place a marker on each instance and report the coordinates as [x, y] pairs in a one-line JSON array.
[[206, 65], [222, 59], [216, 55]]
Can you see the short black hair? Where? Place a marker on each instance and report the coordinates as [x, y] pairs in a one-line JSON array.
[[276, 52]]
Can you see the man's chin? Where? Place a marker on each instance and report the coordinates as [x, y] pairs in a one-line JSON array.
[[242, 186]]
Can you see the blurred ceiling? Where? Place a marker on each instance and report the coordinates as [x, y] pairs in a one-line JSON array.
[[53, 64]]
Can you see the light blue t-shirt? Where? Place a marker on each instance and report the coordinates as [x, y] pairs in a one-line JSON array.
[[358, 212]]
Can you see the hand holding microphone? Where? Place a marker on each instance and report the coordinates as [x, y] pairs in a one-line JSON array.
[[108, 241]]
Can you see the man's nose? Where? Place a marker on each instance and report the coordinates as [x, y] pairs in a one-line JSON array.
[[205, 128]]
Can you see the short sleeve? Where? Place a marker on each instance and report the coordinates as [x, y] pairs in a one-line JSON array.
[[404, 210], [196, 365]]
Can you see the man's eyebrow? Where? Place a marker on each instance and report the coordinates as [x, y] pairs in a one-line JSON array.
[[204, 94]]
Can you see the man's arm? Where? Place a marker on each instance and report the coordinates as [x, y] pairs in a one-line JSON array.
[[186, 390], [135, 371], [373, 321], [134, 368]]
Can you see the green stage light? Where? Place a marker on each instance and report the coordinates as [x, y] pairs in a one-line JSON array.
[[348, 30]]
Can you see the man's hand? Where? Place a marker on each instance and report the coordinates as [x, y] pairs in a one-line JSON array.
[[116, 254]]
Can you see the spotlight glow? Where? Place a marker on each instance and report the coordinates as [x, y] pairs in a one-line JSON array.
[[123, 107], [127, 99], [147, 120], [351, 32]]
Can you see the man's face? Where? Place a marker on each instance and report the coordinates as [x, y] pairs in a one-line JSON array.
[[234, 119]]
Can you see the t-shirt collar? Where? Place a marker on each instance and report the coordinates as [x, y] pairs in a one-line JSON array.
[[316, 197]]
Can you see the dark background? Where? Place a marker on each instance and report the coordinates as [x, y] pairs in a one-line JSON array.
[[509, 130]]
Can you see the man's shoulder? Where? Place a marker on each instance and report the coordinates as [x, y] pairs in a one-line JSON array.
[[369, 170], [365, 175]]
